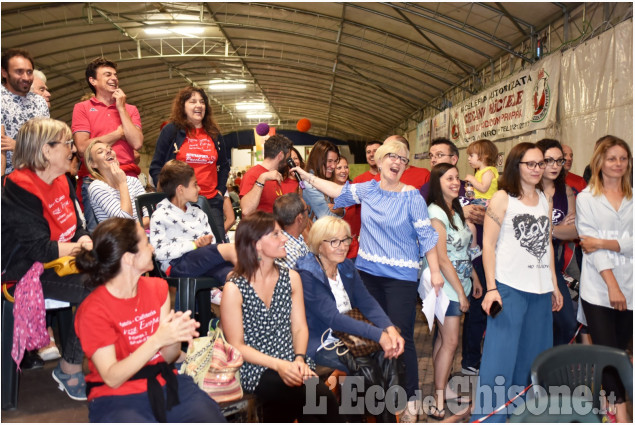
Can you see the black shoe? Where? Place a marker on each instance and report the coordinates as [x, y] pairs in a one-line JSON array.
[[31, 360]]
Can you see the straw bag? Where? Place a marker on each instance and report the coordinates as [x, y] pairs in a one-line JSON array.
[[214, 365]]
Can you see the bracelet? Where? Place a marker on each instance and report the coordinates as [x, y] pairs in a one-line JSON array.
[[194, 242], [261, 185], [300, 355], [493, 289]]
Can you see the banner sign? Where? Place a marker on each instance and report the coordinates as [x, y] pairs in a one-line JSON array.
[[423, 137], [522, 103], [440, 125]]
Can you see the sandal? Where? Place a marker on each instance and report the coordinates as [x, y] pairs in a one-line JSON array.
[[77, 391], [435, 413]]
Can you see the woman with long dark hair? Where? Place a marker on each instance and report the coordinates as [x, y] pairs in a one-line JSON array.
[[131, 337], [446, 216], [321, 163], [605, 223], [192, 136], [520, 275], [563, 222], [262, 312]]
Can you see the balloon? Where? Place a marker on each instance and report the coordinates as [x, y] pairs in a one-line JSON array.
[[262, 129], [303, 125]]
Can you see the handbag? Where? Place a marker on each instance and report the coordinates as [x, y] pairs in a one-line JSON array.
[[214, 365], [358, 346]]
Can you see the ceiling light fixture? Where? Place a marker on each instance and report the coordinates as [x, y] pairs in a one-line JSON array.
[[246, 106], [181, 30], [258, 116], [217, 85]]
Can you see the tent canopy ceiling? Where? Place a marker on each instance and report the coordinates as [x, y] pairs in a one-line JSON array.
[[355, 70]]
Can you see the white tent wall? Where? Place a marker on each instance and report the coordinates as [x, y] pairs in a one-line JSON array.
[[596, 92], [595, 99]]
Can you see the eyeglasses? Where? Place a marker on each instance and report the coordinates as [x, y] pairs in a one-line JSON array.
[[439, 155], [551, 161], [402, 159], [335, 243], [533, 164], [68, 143]]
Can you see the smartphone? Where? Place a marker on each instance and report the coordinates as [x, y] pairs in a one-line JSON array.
[[494, 309]]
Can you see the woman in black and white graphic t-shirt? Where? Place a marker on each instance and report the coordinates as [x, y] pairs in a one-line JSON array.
[[519, 270]]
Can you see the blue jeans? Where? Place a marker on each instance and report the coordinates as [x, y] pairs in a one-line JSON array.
[[474, 325], [194, 406], [522, 330], [398, 298], [89, 215]]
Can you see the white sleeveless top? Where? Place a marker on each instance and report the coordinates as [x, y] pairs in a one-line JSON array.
[[523, 250]]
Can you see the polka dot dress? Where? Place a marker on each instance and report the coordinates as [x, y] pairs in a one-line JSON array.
[[268, 330]]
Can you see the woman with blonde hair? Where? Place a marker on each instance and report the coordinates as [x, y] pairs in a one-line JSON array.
[[395, 233], [332, 287], [112, 193], [604, 219], [41, 223]]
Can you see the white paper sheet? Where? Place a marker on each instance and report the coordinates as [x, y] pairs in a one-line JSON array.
[[433, 305]]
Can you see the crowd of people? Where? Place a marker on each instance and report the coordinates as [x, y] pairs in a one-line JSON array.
[[313, 249]]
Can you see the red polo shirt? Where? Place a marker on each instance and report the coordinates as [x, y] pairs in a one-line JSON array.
[[97, 119]]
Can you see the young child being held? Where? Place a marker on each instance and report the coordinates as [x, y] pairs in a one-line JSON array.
[[482, 156], [180, 232]]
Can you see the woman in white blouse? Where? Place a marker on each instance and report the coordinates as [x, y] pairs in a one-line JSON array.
[[112, 193], [605, 223]]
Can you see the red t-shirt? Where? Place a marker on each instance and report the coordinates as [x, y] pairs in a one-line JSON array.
[[198, 150], [57, 206], [103, 320], [576, 182], [272, 190], [289, 185], [97, 118], [413, 176]]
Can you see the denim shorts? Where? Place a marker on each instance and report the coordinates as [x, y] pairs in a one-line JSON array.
[[454, 309]]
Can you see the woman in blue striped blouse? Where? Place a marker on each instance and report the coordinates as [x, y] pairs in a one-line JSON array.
[[395, 233]]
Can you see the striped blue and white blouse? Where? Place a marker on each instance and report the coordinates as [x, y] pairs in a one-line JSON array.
[[395, 231]]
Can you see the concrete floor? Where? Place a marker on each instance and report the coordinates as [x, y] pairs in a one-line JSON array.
[[41, 401]]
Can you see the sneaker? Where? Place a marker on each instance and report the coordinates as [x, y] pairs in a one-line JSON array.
[[50, 352], [77, 391], [475, 252], [31, 360], [470, 370]]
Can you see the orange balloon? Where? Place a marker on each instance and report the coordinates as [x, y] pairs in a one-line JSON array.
[[303, 125]]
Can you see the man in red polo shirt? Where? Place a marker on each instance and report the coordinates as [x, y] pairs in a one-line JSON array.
[[263, 184], [371, 148], [414, 176], [576, 182], [107, 117]]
